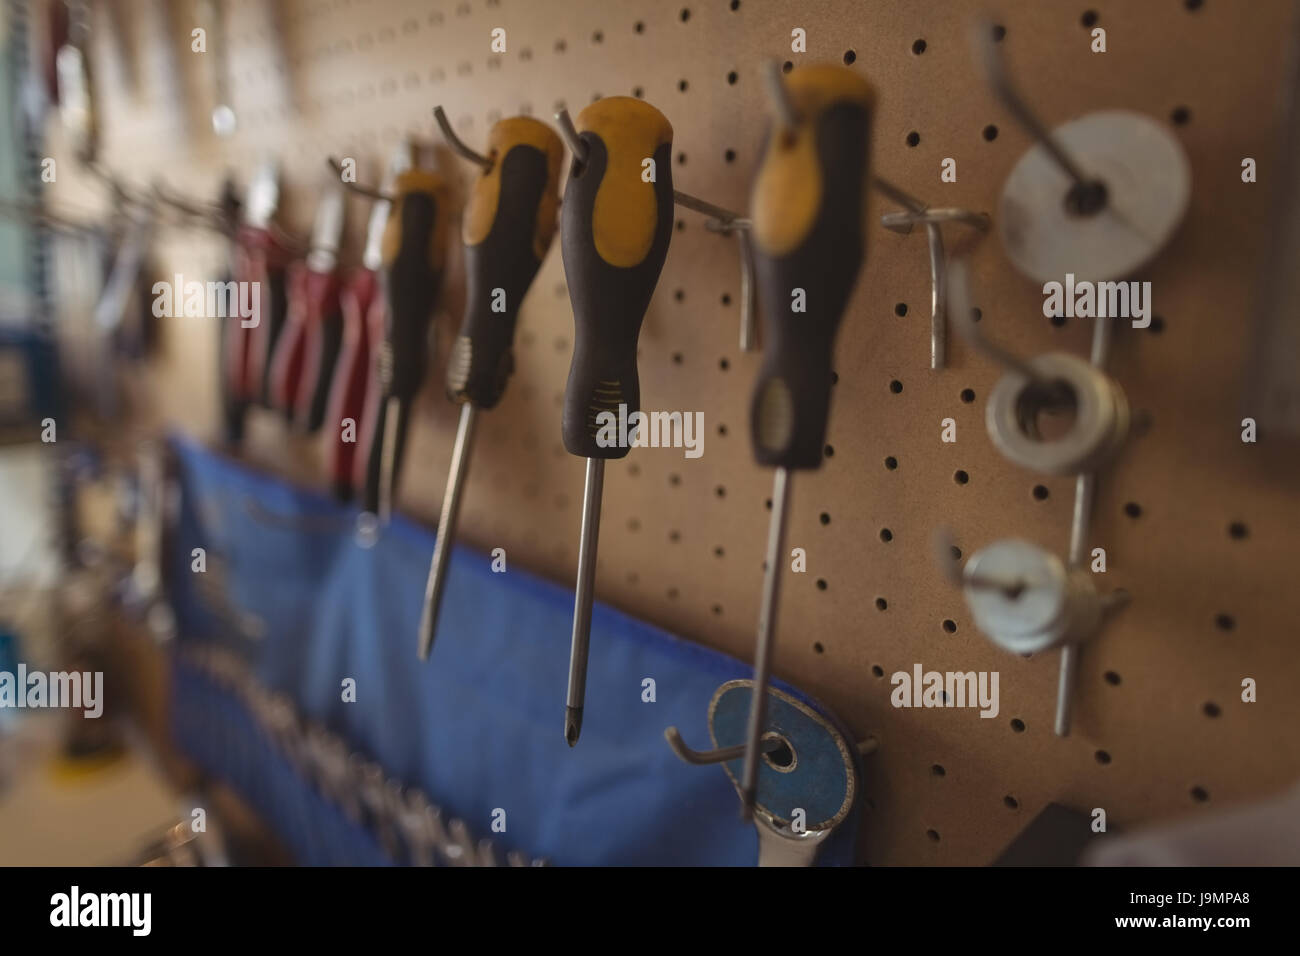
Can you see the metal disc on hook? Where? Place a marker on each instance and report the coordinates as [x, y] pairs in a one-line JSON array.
[[1050, 228], [814, 771]]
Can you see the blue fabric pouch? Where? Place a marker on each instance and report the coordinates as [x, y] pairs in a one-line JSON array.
[[479, 727]]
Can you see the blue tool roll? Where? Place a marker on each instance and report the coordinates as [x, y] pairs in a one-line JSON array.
[[480, 725]]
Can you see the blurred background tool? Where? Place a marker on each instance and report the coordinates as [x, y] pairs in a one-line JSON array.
[[414, 251], [258, 273], [615, 229], [303, 365], [807, 209], [508, 226], [362, 309]]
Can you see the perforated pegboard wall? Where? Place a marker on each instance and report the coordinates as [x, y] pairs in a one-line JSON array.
[[1160, 729]]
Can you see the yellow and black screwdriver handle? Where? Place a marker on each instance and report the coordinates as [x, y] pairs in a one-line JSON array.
[[615, 226], [509, 223], [414, 254], [808, 215]]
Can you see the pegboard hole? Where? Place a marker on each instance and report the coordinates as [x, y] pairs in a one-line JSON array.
[[717, 610], [638, 27], [1111, 678], [674, 536], [598, 37], [722, 429], [821, 584], [681, 159], [732, 77], [720, 491], [1010, 802], [1133, 509], [886, 535], [683, 85], [891, 463], [990, 133], [674, 479], [719, 552], [956, 553], [787, 66], [1017, 725], [1181, 116], [895, 386], [1225, 622], [914, 138], [937, 770], [1102, 757], [1089, 18], [677, 358], [881, 604], [961, 476], [900, 309], [877, 670], [824, 518], [723, 364], [968, 395], [849, 57], [1211, 709], [976, 314], [817, 648], [735, 4], [729, 156], [685, 14], [1193, 5], [933, 835], [950, 626], [1040, 492], [672, 594], [999, 33], [829, 451], [1238, 530], [1200, 794], [726, 298], [918, 47]]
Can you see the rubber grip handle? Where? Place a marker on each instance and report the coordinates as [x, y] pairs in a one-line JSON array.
[[509, 223], [414, 253], [808, 215], [614, 230]]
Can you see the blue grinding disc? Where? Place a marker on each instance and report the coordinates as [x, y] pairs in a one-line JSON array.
[[820, 779]]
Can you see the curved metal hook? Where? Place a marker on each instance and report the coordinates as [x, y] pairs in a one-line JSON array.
[[570, 133], [458, 145], [721, 755], [369, 192]]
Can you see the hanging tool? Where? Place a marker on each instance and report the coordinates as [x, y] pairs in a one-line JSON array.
[[614, 235], [303, 363], [414, 250], [258, 260], [76, 90], [508, 226], [362, 309], [213, 14], [808, 203]]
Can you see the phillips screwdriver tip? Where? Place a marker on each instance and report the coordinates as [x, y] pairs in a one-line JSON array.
[[572, 724]]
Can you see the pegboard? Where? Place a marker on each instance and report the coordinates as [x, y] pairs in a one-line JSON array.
[[1197, 526]]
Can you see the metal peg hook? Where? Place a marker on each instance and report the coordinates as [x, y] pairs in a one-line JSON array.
[[902, 222], [727, 223], [721, 755], [779, 95], [369, 192], [990, 55], [570, 134], [458, 146], [959, 297]]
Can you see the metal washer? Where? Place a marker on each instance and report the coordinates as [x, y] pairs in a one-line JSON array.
[[1148, 183]]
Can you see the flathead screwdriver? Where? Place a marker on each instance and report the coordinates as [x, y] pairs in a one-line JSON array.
[[615, 225], [414, 251], [509, 223], [807, 209]]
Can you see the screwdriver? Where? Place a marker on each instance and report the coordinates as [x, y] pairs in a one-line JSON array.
[[807, 209], [614, 233], [508, 226], [414, 249]]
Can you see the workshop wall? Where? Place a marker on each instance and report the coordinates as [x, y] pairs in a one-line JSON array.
[[1197, 526]]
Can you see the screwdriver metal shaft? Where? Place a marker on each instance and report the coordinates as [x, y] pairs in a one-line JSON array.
[[446, 527], [763, 650], [582, 598]]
